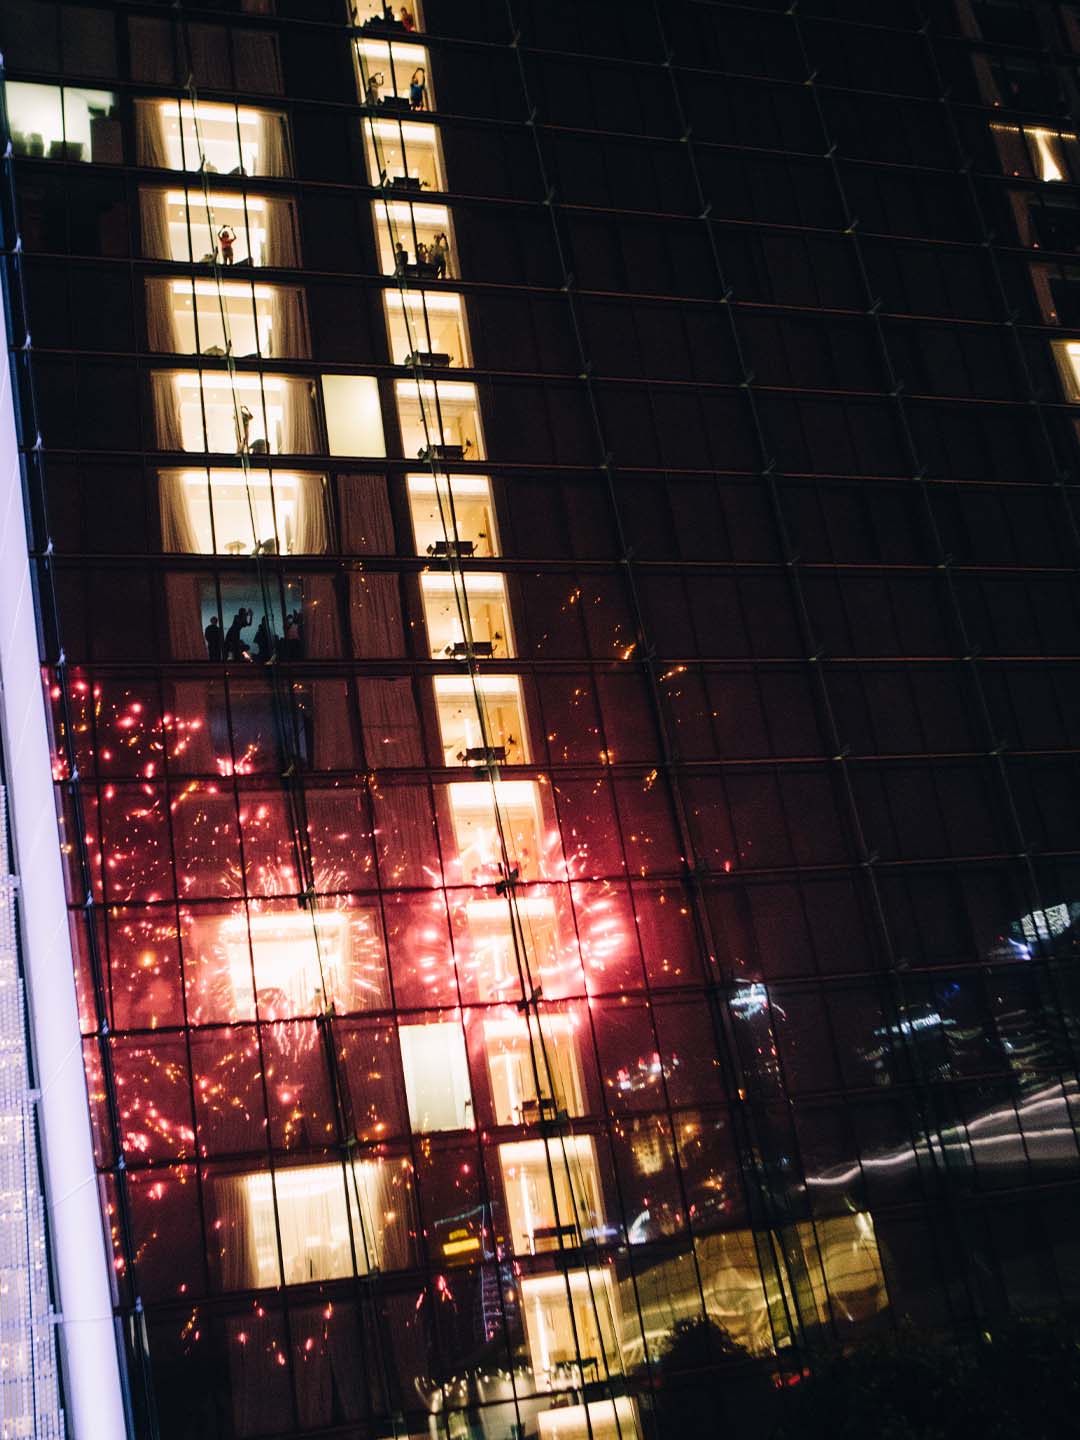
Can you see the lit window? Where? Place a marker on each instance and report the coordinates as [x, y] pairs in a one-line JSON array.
[[353, 415], [477, 601], [301, 962], [572, 1322], [202, 317], [426, 328], [552, 1194], [237, 512], [51, 123], [519, 1053], [217, 139], [439, 419], [404, 154], [323, 1219], [481, 718], [187, 225], [436, 1077], [599, 1420], [238, 414], [395, 76], [371, 15], [492, 963], [1032, 150], [412, 237], [453, 515], [1067, 355], [487, 844]]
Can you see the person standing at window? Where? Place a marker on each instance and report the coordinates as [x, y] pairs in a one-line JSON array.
[[406, 18], [418, 89], [373, 90], [226, 239], [246, 418], [235, 649], [214, 638], [401, 258], [440, 254]]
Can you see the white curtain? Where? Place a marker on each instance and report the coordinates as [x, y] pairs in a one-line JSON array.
[[154, 216], [150, 135], [366, 524], [375, 616], [289, 331], [160, 322], [273, 145], [312, 529], [183, 604], [177, 533], [300, 427], [166, 403], [281, 247], [390, 723]]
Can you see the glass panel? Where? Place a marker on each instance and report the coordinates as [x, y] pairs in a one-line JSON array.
[[479, 838], [552, 1193], [220, 139], [573, 1323], [73, 124], [380, 16], [353, 415], [403, 154], [439, 420], [480, 718], [393, 76], [436, 1077], [487, 609], [415, 240], [236, 512], [515, 1065], [455, 511], [426, 329]]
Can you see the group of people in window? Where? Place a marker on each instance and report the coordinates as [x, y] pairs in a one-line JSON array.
[[416, 99], [431, 260], [403, 20], [266, 645]]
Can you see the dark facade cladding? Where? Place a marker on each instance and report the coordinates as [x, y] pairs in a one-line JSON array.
[[555, 531]]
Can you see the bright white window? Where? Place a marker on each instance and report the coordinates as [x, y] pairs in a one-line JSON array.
[[185, 225], [217, 139], [572, 1324], [63, 124], [599, 1420], [436, 1077], [481, 599], [480, 715], [353, 415], [518, 1054], [1067, 355], [426, 327], [386, 74], [254, 414], [416, 228], [1035, 151], [550, 1209], [479, 839], [200, 317], [454, 514], [233, 512], [439, 418], [370, 12], [404, 153]]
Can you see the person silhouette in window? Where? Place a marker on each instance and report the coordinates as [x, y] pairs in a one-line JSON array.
[[418, 89], [401, 258], [246, 418], [440, 254], [406, 18], [226, 239], [373, 89], [214, 638], [264, 641], [235, 649]]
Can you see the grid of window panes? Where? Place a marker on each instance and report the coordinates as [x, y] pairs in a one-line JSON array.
[[565, 569]]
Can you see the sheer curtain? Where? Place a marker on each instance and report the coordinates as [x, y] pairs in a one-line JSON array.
[[258, 65], [322, 628], [375, 616], [209, 56], [151, 45], [154, 217], [183, 603], [391, 726], [366, 524], [289, 331], [273, 145], [166, 402], [160, 317], [177, 533], [281, 246], [150, 135], [300, 427], [258, 1383], [312, 530], [406, 835]]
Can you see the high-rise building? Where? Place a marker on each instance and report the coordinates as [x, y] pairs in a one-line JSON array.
[[539, 571]]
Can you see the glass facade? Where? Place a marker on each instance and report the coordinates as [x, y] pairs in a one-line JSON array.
[[555, 538]]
